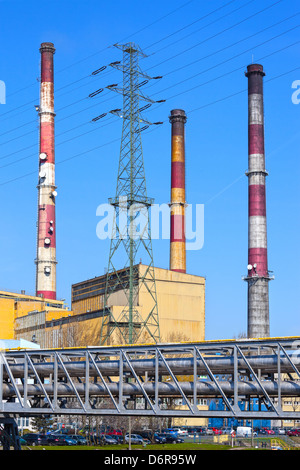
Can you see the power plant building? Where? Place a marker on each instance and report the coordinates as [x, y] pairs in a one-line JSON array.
[[181, 302], [180, 297]]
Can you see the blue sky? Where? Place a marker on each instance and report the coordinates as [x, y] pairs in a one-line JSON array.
[[201, 49]]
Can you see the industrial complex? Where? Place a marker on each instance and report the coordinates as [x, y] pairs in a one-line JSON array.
[[135, 302], [96, 315], [138, 304], [141, 231]]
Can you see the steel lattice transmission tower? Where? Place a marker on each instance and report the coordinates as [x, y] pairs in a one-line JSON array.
[[132, 235]]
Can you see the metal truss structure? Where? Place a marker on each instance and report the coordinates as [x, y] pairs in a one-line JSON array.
[[154, 380], [131, 203]]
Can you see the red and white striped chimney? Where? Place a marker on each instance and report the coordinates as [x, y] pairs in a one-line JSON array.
[[258, 275], [177, 237], [46, 236]]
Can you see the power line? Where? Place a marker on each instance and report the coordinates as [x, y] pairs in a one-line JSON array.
[[178, 94], [231, 45], [189, 112], [194, 22], [162, 39], [107, 47], [230, 58], [199, 29], [218, 33], [245, 19], [191, 63]]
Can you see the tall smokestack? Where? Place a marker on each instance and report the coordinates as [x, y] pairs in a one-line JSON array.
[[258, 275], [46, 243], [177, 239]]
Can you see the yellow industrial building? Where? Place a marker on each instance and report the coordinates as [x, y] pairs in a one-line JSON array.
[[180, 298], [181, 307], [14, 307]]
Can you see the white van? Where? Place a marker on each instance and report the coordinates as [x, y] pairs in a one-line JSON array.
[[243, 431]]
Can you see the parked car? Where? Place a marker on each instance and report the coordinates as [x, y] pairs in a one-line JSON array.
[[181, 431], [159, 438], [135, 439], [52, 439], [108, 440], [80, 440], [217, 431], [115, 432], [67, 440], [171, 430], [61, 440], [262, 431], [281, 431], [226, 430], [270, 431], [35, 439], [294, 432], [118, 438], [173, 438], [197, 430]]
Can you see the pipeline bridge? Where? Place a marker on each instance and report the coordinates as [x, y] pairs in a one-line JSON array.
[[150, 380]]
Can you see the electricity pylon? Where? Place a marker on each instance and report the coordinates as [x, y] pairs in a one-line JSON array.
[[132, 233]]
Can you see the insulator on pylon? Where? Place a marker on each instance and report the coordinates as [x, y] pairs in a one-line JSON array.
[[99, 117], [95, 93], [142, 83], [160, 101], [115, 110], [145, 107], [99, 70]]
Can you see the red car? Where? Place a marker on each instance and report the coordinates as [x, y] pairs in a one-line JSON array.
[[270, 431], [217, 431], [294, 432], [115, 432]]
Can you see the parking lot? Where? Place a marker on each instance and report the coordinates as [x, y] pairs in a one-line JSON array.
[[175, 435]]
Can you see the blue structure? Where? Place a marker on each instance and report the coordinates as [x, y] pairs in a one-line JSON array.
[[233, 423]]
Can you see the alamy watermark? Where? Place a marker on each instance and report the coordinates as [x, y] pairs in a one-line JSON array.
[[296, 94], [137, 221], [2, 92]]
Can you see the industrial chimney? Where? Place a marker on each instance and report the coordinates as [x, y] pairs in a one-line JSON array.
[[177, 205], [46, 243], [258, 275]]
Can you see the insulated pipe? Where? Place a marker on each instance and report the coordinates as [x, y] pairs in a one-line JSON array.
[[182, 366], [167, 389], [46, 231], [258, 275], [177, 205]]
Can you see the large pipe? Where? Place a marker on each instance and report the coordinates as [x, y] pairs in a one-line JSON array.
[[46, 231], [167, 389], [179, 366], [177, 236], [258, 274]]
